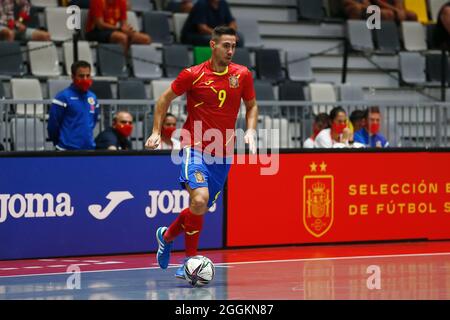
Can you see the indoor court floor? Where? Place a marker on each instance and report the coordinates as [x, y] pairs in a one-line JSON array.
[[406, 270]]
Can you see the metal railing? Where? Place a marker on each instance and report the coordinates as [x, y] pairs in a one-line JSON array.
[[23, 123]]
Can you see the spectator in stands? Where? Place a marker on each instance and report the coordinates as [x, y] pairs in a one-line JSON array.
[[14, 27], [74, 112], [357, 119], [397, 9], [441, 36], [82, 4], [107, 23], [321, 121], [338, 135], [116, 136], [389, 9], [369, 136], [168, 142], [2, 148], [184, 6], [203, 18]]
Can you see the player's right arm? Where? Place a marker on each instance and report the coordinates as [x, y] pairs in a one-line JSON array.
[[162, 105]]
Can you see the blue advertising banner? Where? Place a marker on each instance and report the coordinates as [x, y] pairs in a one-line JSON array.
[[90, 205]]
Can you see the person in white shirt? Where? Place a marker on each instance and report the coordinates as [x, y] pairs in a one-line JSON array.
[[338, 135], [168, 142], [321, 121]]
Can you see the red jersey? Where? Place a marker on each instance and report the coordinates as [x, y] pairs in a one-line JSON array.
[[111, 13], [214, 99]]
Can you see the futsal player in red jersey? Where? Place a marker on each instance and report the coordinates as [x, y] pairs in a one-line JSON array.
[[214, 90]]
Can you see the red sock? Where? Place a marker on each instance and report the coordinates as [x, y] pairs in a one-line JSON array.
[[192, 227], [177, 227]]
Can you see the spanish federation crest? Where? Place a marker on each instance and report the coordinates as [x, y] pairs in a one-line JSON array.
[[199, 177], [234, 81], [318, 202]]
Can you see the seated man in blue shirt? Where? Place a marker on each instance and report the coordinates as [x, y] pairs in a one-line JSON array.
[[203, 18], [369, 135], [116, 137], [74, 112]]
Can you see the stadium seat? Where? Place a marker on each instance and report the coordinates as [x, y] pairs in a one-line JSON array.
[[322, 92], [201, 54], [28, 134], [412, 67], [102, 89], [140, 5], [310, 9], [268, 65], [430, 37], [111, 60], [387, 37], [84, 53], [11, 63], [291, 91], [413, 34], [419, 7], [350, 92], [249, 28], [44, 3], [158, 87], [133, 21], [57, 85], [242, 57], [146, 61], [178, 22], [359, 36], [435, 6], [175, 59], [131, 89], [433, 67], [298, 66], [56, 24], [264, 92], [156, 24], [43, 59], [27, 89], [2, 96]]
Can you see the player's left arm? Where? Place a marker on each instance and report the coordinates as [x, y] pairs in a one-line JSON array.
[[251, 116]]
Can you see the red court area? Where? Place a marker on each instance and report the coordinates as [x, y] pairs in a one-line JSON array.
[[407, 270]]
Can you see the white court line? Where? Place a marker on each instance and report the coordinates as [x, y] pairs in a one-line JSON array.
[[252, 262], [33, 267]]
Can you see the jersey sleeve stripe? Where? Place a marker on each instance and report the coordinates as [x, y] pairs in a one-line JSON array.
[[59, 103]]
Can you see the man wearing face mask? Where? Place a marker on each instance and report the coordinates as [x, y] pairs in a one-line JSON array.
[[74, 112], [116, 137], [168, 142], [369, 135]]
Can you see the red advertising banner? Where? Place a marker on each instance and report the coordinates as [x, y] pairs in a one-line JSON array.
[[339, 197]]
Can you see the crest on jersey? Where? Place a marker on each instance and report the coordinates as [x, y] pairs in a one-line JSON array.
[[91, 100], [234, 81], [199, 177]]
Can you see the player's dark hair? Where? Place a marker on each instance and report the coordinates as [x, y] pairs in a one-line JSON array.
[[322, 120], [79, 64], [373, 109], [335, 111], [168, 114], [357, 115], [222, 30]]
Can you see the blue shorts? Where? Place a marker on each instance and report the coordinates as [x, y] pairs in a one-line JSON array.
[[199, 170]]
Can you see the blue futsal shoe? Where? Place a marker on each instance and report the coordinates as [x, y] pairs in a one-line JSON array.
[[179, 274], [163, 254]]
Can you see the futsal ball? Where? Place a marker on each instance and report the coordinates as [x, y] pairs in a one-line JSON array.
[[198, 271]]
